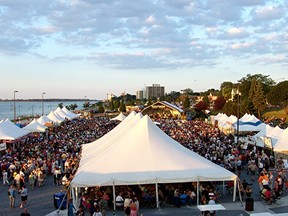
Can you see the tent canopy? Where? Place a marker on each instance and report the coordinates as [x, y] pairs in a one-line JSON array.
[[9, 131], [119, 117], [35, 126], [146, 155]]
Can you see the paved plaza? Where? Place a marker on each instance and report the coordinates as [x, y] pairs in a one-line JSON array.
[[41, 203]]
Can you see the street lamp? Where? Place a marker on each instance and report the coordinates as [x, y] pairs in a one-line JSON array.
[[238, 113], [43, 93], [15, 106]]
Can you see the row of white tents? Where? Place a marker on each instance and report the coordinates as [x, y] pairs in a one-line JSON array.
[[10, 131], [136, 152], [266, 135]]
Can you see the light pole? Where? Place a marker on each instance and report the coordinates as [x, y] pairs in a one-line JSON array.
[[43, 93], [15, 106], [238, 114]]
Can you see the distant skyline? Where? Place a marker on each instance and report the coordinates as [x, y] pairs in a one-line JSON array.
[[86, 48]]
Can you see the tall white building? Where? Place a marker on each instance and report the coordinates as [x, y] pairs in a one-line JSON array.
[[140, 94]]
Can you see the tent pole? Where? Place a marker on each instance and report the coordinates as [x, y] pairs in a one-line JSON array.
[[157, 196], [77, 196], [198, 191], [234, 192], [114, 197]]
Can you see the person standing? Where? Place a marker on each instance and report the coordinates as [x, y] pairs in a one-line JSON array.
[[5, 177], [24, 196], [71, 207], [12, 195]]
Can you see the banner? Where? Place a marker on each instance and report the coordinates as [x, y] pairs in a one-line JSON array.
[[3, 146]]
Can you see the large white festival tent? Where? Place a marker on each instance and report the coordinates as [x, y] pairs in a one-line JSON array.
[[35, 126], [157, 159], [90, 150], [9, 131]]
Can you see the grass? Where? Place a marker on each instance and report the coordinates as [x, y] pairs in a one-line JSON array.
[[276, 113]]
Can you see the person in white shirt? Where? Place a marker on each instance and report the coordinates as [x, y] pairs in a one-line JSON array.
[[212, 202], [5, 177], [119, 201]]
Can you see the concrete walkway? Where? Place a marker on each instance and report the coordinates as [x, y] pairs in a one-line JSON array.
[[41, 203]]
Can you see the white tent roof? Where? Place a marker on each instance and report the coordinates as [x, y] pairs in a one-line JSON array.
[[43, 120], [54, 117], [61, 113], [9, 131], [249, 123], [146, 155], [35, 126], [268, 136], [119, 117], [90, 150], [69, 113], [282, 143]]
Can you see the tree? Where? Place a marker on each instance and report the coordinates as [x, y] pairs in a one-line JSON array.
[[60, 105], [149, 103], [116, 104], [201, 106], [186, 103], [206, 100], [122, 106], [86, 105], [72, 106], [245, 83], [256, 95], [219, 103], [188, 91], [100, 107], [225, 89], [111, 105], [230, 108], [278, 94]]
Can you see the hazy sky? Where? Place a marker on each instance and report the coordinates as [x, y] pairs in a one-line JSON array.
[[78, 48]]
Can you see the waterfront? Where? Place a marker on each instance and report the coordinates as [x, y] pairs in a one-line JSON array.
[[32, 108]]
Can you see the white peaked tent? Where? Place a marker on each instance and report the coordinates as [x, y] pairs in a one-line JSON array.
[[54, 117], [35, 126], [69, 113], [249, 123], [61, 113], [90, 150], [268, 136], [119, 117], [9, 131], [43, 120], [160, 159]]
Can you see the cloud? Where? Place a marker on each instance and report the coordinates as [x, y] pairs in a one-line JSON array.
[[167, 33], [267, 13]]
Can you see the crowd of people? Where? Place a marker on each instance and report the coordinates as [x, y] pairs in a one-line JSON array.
[[27, 161], [58, 151]]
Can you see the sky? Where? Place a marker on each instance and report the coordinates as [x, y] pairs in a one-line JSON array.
[[91, 48]]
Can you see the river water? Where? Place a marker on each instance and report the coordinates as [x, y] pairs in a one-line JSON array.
[[32, 108]]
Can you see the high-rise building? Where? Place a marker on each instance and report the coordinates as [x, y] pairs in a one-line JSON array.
[[140, 94], [154, 91]]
